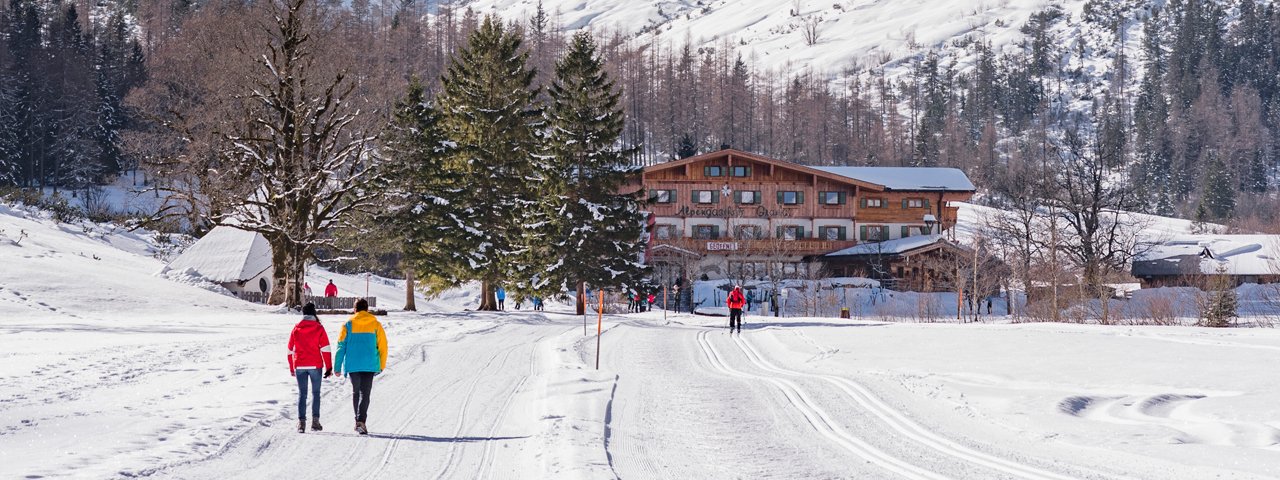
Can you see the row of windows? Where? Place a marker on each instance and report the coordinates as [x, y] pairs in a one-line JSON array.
[[785, 197], [719, 171], [866, 233]]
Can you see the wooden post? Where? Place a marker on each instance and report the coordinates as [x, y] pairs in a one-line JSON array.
[[599, 326], [582, 301], [664, 302]]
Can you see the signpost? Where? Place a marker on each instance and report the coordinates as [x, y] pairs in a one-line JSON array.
[[599, 325]]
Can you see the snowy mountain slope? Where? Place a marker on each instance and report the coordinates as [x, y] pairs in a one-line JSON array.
[[869, 33]]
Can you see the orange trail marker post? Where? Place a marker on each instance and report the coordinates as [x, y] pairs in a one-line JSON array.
[[599, 326]]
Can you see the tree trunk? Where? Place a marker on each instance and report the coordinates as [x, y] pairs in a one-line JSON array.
[[582, 298], [409, 304], [487, 300]]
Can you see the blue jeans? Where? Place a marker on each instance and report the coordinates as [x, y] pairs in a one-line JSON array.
[[313, 375]]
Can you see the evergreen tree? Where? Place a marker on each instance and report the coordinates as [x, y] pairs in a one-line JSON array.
[[1218, 197], [491, 121], [590, 232]]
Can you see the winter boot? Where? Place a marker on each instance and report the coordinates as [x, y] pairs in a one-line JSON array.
[[361, 429], [315, 425], [302, 425]]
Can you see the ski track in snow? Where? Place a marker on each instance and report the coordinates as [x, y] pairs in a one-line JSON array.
[[899, 421], [818, 418]]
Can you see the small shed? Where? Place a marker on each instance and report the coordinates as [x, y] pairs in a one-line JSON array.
[[238, 260], [1191, 260]]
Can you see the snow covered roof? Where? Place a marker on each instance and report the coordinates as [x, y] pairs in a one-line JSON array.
[[1212, 254], [226, 254], [889, 247], [907, 178]]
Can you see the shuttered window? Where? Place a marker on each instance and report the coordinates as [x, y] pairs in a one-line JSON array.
[[832, 233], [786, 197], [706, 196]]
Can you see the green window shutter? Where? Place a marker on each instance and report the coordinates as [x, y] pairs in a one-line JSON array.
[[715, 231], [906, 232], [862, 233], [748, 169], [862, 203], [715, 197], [706, 171], [843, 197], [693, 196], [926, 203], [758, 198], [844, 234], [799, 233], [884, 204], [800, 198], [779, 197], [905, 205], [778, 233]]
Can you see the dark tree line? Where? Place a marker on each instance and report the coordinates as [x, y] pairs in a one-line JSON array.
[[63, 81]]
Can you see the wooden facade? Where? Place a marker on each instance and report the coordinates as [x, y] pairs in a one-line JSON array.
[[733, 204]]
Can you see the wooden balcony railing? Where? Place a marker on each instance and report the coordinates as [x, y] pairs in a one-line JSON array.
[[768, 246]]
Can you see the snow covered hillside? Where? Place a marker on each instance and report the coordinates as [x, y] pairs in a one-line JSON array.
[[870, 33], [113, 372]]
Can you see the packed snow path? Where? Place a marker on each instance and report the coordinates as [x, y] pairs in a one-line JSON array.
[[516, 395]]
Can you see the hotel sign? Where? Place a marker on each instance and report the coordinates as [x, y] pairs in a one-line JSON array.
[[730, 212], [718, 246]]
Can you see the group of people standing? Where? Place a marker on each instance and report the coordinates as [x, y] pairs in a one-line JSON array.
[[362, 354], [501, 295], [641, 302]]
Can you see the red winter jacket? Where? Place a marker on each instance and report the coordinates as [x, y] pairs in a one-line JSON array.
[[331, 290], [309, 346], [735, 299]]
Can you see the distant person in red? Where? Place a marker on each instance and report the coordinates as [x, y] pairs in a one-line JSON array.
[[308, 354], [330, 290], [735, 302]]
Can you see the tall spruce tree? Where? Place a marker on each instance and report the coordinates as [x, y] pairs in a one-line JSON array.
[[1218, 197], [591, 231], [491, 123]]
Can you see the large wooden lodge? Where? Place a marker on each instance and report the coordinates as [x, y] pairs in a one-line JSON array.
[[737, 215]]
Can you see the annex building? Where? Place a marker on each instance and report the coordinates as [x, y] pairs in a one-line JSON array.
[[736, 215]]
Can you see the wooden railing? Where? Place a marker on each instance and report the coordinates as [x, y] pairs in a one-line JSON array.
[[769, 246]]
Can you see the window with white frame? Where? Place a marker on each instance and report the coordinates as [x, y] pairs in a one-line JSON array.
[[748, 232], [740, 171], [873, 203], [914, 203], [791, 232], [706, 232], [713, 171], [705, 196], [790, 197], [662, 196], [665, 231], [832, 234], [748, 197]]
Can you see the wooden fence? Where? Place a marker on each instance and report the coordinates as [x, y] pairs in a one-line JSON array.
[[322, 303]]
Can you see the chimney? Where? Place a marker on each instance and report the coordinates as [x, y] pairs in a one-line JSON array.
[[725, 146]]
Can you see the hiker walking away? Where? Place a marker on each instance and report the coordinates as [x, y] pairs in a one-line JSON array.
[[537, 303], [750, 299], [735, 302], [362, 353], [331, 290], [308, 354], [502, 298]]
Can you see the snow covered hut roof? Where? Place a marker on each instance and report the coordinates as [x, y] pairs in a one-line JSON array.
[[889, 247], [907, 178], [1212, 254], [226, 254]]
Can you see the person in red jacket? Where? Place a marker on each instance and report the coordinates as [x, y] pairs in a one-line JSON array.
[[308, 352], [330, 290], [735, 302]]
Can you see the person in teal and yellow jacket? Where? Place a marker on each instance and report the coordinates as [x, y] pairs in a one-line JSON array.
[[362, 353]]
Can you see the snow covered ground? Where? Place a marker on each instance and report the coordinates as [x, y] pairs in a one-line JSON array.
[[110, 371]]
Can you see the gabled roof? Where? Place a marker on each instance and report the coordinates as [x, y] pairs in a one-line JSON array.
[[908, 178], [226, 254], [891, 247], [763, 159], [1209, 255], [871, 178]]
